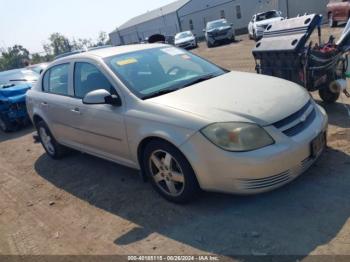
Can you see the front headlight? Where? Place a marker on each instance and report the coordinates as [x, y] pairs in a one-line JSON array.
[[237, 137]]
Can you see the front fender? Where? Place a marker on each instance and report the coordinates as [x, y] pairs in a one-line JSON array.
[[139, 130]]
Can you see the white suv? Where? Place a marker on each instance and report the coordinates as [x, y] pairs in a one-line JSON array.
[[261, 21]]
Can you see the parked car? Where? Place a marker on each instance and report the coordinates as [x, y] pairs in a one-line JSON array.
[[186, 123], [18, 76], [261, 21], [13, 86], [38, 68], [218, 31], [186, 40], [338, 11], [13, 112]]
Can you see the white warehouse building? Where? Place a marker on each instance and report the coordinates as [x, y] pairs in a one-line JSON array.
[[183, 15]]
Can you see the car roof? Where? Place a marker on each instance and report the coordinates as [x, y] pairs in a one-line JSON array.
[[113, 51]]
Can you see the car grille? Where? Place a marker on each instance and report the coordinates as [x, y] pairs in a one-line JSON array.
[[255, 184], [297, 122], [219, 33]]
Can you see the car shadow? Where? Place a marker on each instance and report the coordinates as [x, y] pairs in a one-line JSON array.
[[293, 220], [16, 134], [338, 113]]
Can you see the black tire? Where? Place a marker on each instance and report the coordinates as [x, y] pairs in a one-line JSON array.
[[332, 23], [58, 151], [209, 45], [328, 96], [5, 125], [255, 38], [190, 187]]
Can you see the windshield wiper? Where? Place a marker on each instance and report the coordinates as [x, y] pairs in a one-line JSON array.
[[199, 80], [160, 93]]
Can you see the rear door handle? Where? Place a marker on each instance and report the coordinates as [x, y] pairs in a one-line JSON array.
[[44, 104]]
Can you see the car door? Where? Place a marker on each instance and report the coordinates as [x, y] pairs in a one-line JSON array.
[[54, 101], [99, 129]]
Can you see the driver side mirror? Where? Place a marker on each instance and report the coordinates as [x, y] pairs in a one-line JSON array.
[[203, 30], [101, 97]]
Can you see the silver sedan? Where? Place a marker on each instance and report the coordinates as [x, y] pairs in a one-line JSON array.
[[185, 122]]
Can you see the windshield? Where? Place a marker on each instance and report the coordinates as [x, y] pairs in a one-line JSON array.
[[268, 15], [153, 71], [183, 35], [217, 24]]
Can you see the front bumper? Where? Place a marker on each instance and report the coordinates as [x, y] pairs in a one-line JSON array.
[[187, 45], [221, 37], [257, 171], [259, 32]]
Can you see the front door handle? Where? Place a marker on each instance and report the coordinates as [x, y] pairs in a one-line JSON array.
[[44, 104], [76, 111]]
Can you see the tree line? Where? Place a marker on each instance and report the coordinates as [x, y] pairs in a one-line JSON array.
[[18, 56]]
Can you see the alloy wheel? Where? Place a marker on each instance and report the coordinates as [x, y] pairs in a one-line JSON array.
[[167, 173], [46, 140]]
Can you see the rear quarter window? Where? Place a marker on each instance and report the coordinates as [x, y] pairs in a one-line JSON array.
[[55, 80]]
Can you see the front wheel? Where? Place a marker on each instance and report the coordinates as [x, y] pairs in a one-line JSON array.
[[51, 146], [169, 172]]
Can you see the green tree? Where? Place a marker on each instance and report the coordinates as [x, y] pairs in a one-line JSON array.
[[59, 44], [14, 57], [81, 43], [103, 39]]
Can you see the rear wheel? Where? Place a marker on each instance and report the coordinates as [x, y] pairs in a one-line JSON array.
[[169, 172], [51, 146], [209, 45]]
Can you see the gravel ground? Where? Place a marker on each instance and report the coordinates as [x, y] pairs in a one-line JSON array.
[[84, 205]]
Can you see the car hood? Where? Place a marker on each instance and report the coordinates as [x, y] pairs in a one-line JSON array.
[[241, 97], [268, 21], [222, 28], [184, 40], [14, 94]]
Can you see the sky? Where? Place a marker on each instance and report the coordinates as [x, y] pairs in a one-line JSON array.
[[30, 22]]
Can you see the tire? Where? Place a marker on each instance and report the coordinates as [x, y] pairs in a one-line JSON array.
[[328, 96], [49, 143], [209, 45], [6, 125], [332, 23], [169, 172], [255, 38]]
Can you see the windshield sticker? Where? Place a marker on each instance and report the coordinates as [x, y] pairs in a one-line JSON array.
[[173, 51], [126, 62]]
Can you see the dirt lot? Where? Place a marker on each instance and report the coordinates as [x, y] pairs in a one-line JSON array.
[[84, 205]]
